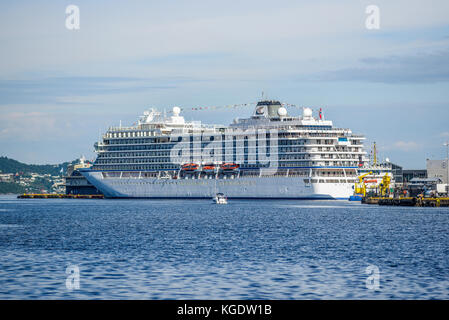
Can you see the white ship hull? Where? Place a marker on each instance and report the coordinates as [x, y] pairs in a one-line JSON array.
[[270, 187]]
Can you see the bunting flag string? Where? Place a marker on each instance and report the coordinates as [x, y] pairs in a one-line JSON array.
[[198, 108], [289, 105]]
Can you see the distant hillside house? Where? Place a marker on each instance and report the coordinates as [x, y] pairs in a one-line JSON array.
[[6, 177]]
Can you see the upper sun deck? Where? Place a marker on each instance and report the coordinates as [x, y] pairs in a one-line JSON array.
[[157, 123], [267, 115], [271, 114]]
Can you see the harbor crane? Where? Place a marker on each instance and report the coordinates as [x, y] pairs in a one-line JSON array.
[[385, 184], [360, 187]]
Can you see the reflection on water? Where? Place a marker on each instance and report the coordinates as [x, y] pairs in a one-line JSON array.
[[156, 249]]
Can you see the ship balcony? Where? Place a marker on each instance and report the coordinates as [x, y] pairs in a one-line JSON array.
[[314, 151], [333, 159]]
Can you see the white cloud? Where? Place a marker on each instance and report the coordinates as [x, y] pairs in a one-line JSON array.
[[288, 31], [29, 126], [407, 145]]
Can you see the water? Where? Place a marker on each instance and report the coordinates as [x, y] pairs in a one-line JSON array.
[[158, 249]]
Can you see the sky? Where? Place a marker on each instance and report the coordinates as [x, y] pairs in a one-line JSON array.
[[60, 88]]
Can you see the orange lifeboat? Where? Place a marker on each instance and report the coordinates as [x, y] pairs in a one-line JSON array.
[[209, 168], [189, 167], [229, 166]]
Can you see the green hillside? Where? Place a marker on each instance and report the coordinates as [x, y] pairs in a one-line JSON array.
[[8, 165], [31, 178], [11, 187]]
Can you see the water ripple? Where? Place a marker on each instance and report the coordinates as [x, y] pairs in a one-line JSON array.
[[245, 250]]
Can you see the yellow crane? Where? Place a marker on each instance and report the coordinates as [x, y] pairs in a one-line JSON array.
[[360, 187], [385, 184]]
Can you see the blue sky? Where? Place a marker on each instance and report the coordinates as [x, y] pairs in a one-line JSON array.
[[60, 88]]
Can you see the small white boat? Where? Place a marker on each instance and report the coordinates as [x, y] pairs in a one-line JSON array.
[[220, 198]]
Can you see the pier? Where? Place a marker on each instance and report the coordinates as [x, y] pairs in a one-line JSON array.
[[59, 196], [407, 201]]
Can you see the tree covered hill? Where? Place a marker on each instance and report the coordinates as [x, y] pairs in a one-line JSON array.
[[8, 165], [12, 188], [31, 178]]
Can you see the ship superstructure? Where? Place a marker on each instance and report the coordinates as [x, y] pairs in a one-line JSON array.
[[75, 183], [271, 154]]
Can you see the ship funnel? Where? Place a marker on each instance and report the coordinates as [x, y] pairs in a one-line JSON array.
[[269, 108]]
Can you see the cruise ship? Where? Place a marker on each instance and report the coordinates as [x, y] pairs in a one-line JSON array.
[[269, 155]]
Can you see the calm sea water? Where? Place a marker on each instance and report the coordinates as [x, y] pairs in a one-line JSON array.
[[158, 249]]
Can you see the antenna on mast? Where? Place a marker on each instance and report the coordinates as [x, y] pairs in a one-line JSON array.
[[375, 154]]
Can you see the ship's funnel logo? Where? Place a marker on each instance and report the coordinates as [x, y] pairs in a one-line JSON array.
[[253, 148]]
